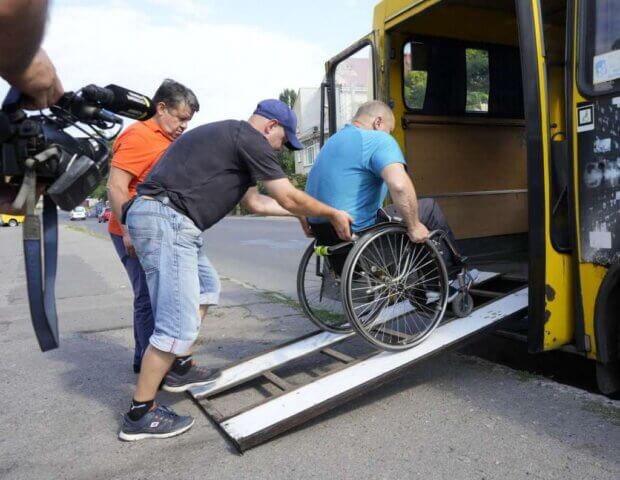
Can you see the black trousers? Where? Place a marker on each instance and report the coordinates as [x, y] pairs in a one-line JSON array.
[[430, 214]]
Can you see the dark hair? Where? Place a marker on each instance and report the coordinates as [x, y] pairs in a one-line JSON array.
[[175, 94]]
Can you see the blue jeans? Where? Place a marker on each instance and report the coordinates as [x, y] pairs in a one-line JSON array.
[[179, 276], [142, 314]]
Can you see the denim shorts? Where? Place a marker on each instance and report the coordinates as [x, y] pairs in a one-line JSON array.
[[179, 275]]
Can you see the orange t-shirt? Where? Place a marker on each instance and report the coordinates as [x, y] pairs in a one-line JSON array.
[[136, 151]]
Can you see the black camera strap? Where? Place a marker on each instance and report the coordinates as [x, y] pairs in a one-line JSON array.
[[42, 281]]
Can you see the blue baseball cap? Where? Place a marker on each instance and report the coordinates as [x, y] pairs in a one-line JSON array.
[[280, 111]]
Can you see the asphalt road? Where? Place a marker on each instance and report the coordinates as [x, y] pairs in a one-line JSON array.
[[259, 251], [451, 417]]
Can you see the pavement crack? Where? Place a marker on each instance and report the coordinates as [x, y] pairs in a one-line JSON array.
[[101, 330]]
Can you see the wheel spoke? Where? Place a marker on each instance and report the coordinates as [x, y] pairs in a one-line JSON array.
[[388, 289]]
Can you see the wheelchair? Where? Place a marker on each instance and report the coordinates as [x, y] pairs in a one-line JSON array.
[[391, 291]]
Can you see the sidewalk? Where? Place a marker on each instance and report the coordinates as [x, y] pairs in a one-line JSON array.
[[452, 417]]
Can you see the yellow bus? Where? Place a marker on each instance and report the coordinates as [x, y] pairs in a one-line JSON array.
[[509, 114]]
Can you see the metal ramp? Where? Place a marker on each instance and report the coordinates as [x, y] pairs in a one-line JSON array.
[[286, 404]]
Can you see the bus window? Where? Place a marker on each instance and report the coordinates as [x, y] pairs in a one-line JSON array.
[[599, 65], [453, 78], [415, 74], [354, 82], [477, 63]]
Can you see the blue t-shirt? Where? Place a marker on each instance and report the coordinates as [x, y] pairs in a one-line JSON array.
[[346, 174]]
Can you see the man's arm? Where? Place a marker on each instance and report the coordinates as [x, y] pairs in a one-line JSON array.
[[22, 23], [301, 204], [260, 204], [22, 63], [118, 194], [404, 197]]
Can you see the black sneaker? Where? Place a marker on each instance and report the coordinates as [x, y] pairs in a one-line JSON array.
[[195, 377], [161, 422]]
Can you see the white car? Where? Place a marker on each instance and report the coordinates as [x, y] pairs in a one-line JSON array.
[[78, 213]]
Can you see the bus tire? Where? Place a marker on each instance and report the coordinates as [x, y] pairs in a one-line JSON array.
[[608, 379]]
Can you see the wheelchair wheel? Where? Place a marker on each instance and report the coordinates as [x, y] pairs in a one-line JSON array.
[[394, 291], [463, 304], [318, 290]]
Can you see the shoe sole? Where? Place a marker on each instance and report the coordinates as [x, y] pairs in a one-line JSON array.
[[185, 387], [133, 437]]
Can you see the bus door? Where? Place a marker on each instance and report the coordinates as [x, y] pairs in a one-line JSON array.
[[351, 81], [551, 322]]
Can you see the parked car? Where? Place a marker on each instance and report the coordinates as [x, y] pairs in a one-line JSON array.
[[104, 216], [11, 220], [78, 213]]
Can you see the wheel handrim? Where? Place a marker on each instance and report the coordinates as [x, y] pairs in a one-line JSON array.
[[398, 310]]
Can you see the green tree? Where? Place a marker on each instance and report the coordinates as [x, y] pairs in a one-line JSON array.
[[288, 96], [287, 157], [477, 80], [101, 192], [415, 88]]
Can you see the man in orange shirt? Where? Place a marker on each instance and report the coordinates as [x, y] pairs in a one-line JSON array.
[[136, 151]]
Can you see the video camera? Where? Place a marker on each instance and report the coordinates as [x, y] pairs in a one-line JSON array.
[[66, 150], [70, 166]]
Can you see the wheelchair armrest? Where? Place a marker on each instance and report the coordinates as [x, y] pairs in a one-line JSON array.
[[384, 216]]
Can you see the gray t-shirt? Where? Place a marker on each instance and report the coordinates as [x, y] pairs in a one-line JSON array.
[[207, 170]]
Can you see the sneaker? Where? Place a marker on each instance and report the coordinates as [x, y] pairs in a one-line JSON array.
[[195, 377], [433, 296], [453, 287], [161, 422]]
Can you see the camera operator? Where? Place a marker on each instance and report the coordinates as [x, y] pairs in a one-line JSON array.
[[26, 66], [136, 151]]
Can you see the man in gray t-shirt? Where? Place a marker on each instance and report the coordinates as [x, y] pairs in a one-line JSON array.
[[200, 178]]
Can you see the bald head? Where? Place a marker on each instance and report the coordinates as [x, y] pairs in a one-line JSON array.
[[374, 115]]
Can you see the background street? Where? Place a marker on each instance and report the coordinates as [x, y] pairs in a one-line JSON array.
[[245, 248], [454, 416]]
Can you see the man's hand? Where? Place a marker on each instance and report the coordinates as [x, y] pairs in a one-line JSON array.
[[131, 251], [39, 83], [341, 221], [305, 227], [418, 233]]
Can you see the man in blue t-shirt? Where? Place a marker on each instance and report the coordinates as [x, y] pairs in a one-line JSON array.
[[360, 164]]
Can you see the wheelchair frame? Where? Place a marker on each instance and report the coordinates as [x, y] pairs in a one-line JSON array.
[[390, 323]]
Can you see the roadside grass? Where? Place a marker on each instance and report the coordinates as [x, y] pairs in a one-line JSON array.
[[325, 315], [85, 230], [277, 297], [525, 376], [609, 413]]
